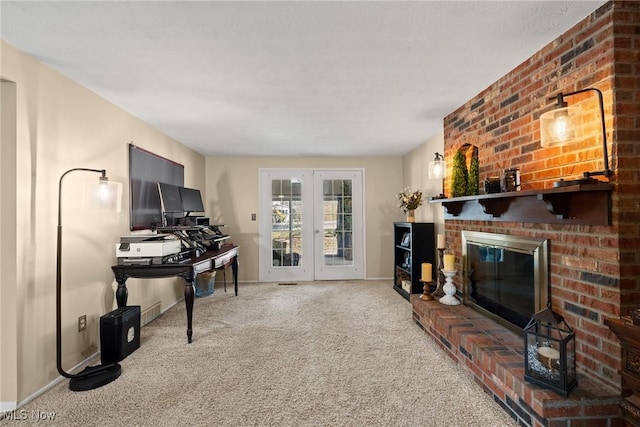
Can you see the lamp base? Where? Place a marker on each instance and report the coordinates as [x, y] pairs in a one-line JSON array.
[[577, 181], [94, 376]]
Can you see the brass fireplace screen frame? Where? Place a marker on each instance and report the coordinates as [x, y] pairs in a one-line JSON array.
[[538, 248]]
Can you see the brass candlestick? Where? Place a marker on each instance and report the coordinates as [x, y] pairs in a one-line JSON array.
[[439, 292], [426, 296]]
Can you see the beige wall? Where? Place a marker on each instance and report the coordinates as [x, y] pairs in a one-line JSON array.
[[232, 196], [416, 176], [8, 271], [61, 125]]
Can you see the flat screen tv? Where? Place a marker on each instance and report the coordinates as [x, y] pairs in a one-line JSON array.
[[191, 200], [146, 170]]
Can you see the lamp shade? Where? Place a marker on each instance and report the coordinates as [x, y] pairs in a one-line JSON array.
[[103, 196], [560, 126], [437, 169]]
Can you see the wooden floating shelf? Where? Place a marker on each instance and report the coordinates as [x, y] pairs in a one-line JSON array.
[[588, 204]]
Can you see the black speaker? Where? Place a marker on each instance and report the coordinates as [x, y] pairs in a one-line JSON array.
[[119, 333]]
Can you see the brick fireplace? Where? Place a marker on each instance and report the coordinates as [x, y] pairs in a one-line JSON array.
[[594, 269]]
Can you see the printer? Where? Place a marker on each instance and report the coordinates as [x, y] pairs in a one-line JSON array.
[[146, 249]]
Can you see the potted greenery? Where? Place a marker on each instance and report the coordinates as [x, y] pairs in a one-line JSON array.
[[460, 175]]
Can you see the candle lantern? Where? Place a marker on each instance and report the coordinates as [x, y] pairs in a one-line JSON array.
[[550, 354]]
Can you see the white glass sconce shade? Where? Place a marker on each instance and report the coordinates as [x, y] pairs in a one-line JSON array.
[[560, 126]]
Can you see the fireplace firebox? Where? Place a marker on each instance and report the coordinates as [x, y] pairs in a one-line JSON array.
[[506, 277]]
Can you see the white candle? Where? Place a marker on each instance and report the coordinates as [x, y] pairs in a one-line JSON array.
[[449, 262], [549, 357], [440, 241], [426, 272], [549, 352]]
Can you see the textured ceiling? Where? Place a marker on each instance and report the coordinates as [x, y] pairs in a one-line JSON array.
[[289, 78]]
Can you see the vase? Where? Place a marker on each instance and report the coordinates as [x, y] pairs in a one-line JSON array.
[[411, 215]]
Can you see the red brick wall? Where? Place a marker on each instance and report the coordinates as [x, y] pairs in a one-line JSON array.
[[595, 270]]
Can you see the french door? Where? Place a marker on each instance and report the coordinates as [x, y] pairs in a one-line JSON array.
[[311, 225], [338, 225]]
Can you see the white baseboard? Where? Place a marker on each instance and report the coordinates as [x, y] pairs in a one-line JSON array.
[[7, 406], [57, 380]]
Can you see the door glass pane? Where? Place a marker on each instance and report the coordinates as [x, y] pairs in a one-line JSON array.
[[337, 222], [286, 222]]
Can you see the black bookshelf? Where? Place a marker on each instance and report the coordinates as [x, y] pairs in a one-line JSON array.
[[414, 244]]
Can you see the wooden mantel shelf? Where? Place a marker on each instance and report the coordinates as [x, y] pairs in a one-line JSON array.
[[574, 204]]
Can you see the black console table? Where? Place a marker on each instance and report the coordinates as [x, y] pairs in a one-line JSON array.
[[210, 260]]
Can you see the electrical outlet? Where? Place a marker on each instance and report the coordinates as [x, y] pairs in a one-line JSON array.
[[82, 323]]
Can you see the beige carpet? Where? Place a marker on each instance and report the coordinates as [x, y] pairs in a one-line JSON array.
[[312, 354]]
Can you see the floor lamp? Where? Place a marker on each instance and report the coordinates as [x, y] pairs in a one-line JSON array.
[[92, 376]]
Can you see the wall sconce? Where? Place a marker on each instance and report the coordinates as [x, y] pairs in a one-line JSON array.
[[438, 170], [105, 196], [563, 124]]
